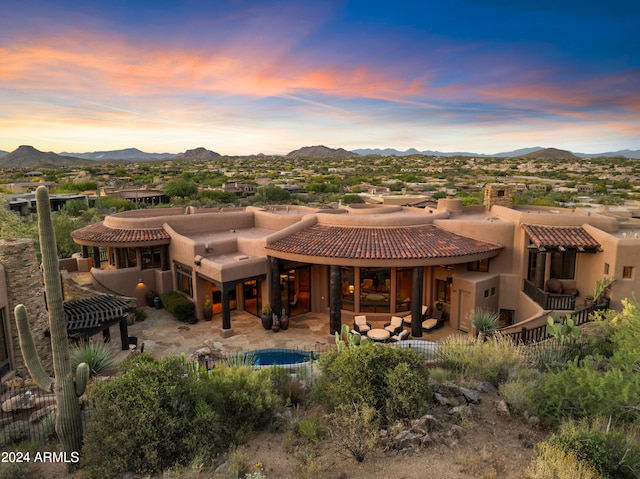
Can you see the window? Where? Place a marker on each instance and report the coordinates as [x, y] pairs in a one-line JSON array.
[[627, 272], [375, 289], [482, 265], [184, 280], [126, 257], [606, 268], [5, 360], [443, 290], [151, 257], [563, 265], [347, 289], [404, 283], [500, 193]]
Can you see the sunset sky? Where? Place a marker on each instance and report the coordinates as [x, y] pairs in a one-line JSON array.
[[243, 77]]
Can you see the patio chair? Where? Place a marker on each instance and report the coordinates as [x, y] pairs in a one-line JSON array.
[[401, 336], [360, 324], [395, 326], [436, 321]]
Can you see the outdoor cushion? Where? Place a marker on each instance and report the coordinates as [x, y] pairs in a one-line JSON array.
[[395, 326], [360, 323], [554, 286], [429, 323]]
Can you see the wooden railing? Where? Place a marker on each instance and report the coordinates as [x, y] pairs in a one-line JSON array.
[[539, 333], [550, 301]]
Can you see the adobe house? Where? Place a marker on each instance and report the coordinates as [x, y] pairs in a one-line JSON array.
[[378, 260]]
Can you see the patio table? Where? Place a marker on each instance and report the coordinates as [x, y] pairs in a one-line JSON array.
[[378, 334]]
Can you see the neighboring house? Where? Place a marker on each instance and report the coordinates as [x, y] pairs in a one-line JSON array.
[[23, 204], [377, 260]]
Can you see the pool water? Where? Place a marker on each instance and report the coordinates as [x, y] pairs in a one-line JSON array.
[[279, 356]]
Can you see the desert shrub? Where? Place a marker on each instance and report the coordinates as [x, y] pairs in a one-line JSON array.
[[312, 429], [161, 413], [242, 398], [238, 462], [139, 314], [517, 391], [289, 388], [494, 360], [582, 389], [46, 429], [610, 453], [178, 305], [549, 355], [552, 462], [354, 429], [18, 470], [14, 432], [364, 375], [97, 355]]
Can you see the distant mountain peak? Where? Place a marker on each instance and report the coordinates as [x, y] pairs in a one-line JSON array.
[[321, 151], [199, 153], [28, 156], [550, 153]]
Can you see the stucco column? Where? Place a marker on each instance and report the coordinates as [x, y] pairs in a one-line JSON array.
[[335, 304], [96, 257], [124, 334], [226, 330], [416, 301], [275, 295], [541, 263]]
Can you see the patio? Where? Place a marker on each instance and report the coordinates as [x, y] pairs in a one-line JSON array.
[[163, 335]]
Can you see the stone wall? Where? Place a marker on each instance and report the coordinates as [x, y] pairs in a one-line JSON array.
[[498, 195], [23, 280]]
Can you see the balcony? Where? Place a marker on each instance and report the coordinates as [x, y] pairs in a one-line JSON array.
[[549, 301]]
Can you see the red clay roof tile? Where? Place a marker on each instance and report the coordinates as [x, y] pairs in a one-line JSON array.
[[99, 233], [414, 242], [565, 236]]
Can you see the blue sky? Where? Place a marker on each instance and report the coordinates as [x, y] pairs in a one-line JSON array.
[[242, 77]]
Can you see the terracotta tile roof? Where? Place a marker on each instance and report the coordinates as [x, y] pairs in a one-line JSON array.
[[555, 236], [416, 242], [99, 233]]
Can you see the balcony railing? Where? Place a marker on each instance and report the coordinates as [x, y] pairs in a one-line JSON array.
[[549, 301]]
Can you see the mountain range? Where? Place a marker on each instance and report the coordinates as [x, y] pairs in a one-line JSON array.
[[632, 154], [29, 157]]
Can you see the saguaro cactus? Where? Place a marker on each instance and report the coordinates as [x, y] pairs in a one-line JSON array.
[[66, 388]]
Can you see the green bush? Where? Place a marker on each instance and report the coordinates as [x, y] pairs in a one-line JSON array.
[[178, 305], [162, 413], [392, 380], [14, 432], [583, 390], [97, 355], [609, 452]]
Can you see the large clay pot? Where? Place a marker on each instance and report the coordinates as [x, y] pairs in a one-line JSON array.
[[267, 321], [284, 322]]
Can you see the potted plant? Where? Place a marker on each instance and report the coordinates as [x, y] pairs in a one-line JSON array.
[[150, 296], [439, 306], [275, 327], [267, 316], [588, 300], [207, 312], [284, 320]]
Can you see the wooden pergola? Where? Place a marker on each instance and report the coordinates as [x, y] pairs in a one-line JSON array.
[[90, 316]]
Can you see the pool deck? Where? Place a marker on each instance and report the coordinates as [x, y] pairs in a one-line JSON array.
[[163, 335]]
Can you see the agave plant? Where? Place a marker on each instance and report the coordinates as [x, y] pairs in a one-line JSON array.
[[98, 356], [485, 322]]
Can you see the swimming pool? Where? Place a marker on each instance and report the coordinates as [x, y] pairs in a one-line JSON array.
[[279, 357]]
